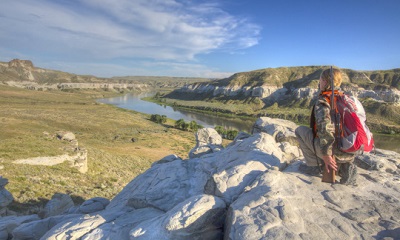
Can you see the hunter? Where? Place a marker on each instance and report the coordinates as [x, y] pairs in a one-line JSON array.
[[318, 142]]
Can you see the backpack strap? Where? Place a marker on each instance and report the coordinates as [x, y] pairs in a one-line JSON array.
[[313, 124], [335, 116]]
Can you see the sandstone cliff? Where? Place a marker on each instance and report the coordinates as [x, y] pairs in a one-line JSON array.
[[252, 189], [293, 90], [280, 84]]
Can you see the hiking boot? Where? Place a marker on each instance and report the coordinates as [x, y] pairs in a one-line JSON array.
[[309, 170], [348, 174]]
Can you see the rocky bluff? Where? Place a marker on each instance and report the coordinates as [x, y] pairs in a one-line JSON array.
[[287, 92], [270, 93], [252, 189]]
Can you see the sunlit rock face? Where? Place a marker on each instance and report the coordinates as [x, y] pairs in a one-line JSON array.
[[276, 94], [23, 67], [251, 189]]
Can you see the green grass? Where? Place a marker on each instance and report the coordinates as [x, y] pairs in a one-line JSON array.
[[105, 131]]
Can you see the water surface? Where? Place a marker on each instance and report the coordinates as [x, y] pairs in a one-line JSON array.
[[134, 102]]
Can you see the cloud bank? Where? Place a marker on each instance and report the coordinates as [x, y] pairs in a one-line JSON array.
[[164, 31]]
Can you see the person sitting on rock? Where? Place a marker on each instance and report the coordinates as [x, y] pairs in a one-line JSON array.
[[320, 150]]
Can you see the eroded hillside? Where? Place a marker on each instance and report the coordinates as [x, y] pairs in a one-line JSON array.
[[289, 92]]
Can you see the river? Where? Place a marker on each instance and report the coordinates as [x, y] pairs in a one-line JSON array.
[[134, 102]]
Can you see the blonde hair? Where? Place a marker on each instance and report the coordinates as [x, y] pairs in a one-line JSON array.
[[326, 77]]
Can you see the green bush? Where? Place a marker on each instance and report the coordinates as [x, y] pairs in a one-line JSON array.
[[225, 133], [158, 118], [192, 126], [179, 124]]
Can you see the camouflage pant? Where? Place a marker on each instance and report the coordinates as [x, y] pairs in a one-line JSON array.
[[311, 153], [306, 141]]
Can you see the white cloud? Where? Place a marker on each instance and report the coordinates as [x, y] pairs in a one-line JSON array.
[[97, 30], [122, 28]]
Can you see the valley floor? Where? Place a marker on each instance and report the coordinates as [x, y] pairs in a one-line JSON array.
[[121, 144]]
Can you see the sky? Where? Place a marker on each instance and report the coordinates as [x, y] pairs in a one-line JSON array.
[[199, 38]]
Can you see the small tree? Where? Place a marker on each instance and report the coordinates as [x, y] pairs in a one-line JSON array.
[[220, 130], [163, 119], [227, 134], [179, 123], [193, 126], [158, 118], [185, 126], [231, 134]]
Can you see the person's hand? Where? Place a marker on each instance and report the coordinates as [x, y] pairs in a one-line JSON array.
[[330, 163]]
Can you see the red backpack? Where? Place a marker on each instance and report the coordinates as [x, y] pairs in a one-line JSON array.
[[354, 134]]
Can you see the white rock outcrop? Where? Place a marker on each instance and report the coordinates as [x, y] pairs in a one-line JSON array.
[[275, 94], [207, 141], [75, 155], [58, 204], [252, 189]]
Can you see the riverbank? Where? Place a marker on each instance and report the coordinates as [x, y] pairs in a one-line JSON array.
[[231, 110], [383, 134], [235, 109]]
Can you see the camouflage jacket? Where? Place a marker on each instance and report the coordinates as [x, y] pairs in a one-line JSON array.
[[325, 130]]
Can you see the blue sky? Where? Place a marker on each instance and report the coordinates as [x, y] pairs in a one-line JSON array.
[[199, 38]]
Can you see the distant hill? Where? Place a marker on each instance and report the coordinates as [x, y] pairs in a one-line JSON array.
[[24, 71], [308, 76]]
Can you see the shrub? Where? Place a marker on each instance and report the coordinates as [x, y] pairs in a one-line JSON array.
[[158, 118], [193, 126], [225, 133], [179, 123]]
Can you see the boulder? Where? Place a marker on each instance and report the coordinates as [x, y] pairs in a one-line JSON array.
[[208, 136], [163, 185], [93, 205], [198, 217], [9, 223], [207, 141], [120, 227], [381, 160], [78, 227], [36, 229], [283, 132], [230, 182], [5, 196], [67, 136], [58, 204]]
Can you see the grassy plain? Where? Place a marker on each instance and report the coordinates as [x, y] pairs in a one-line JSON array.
[[105, 131]]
